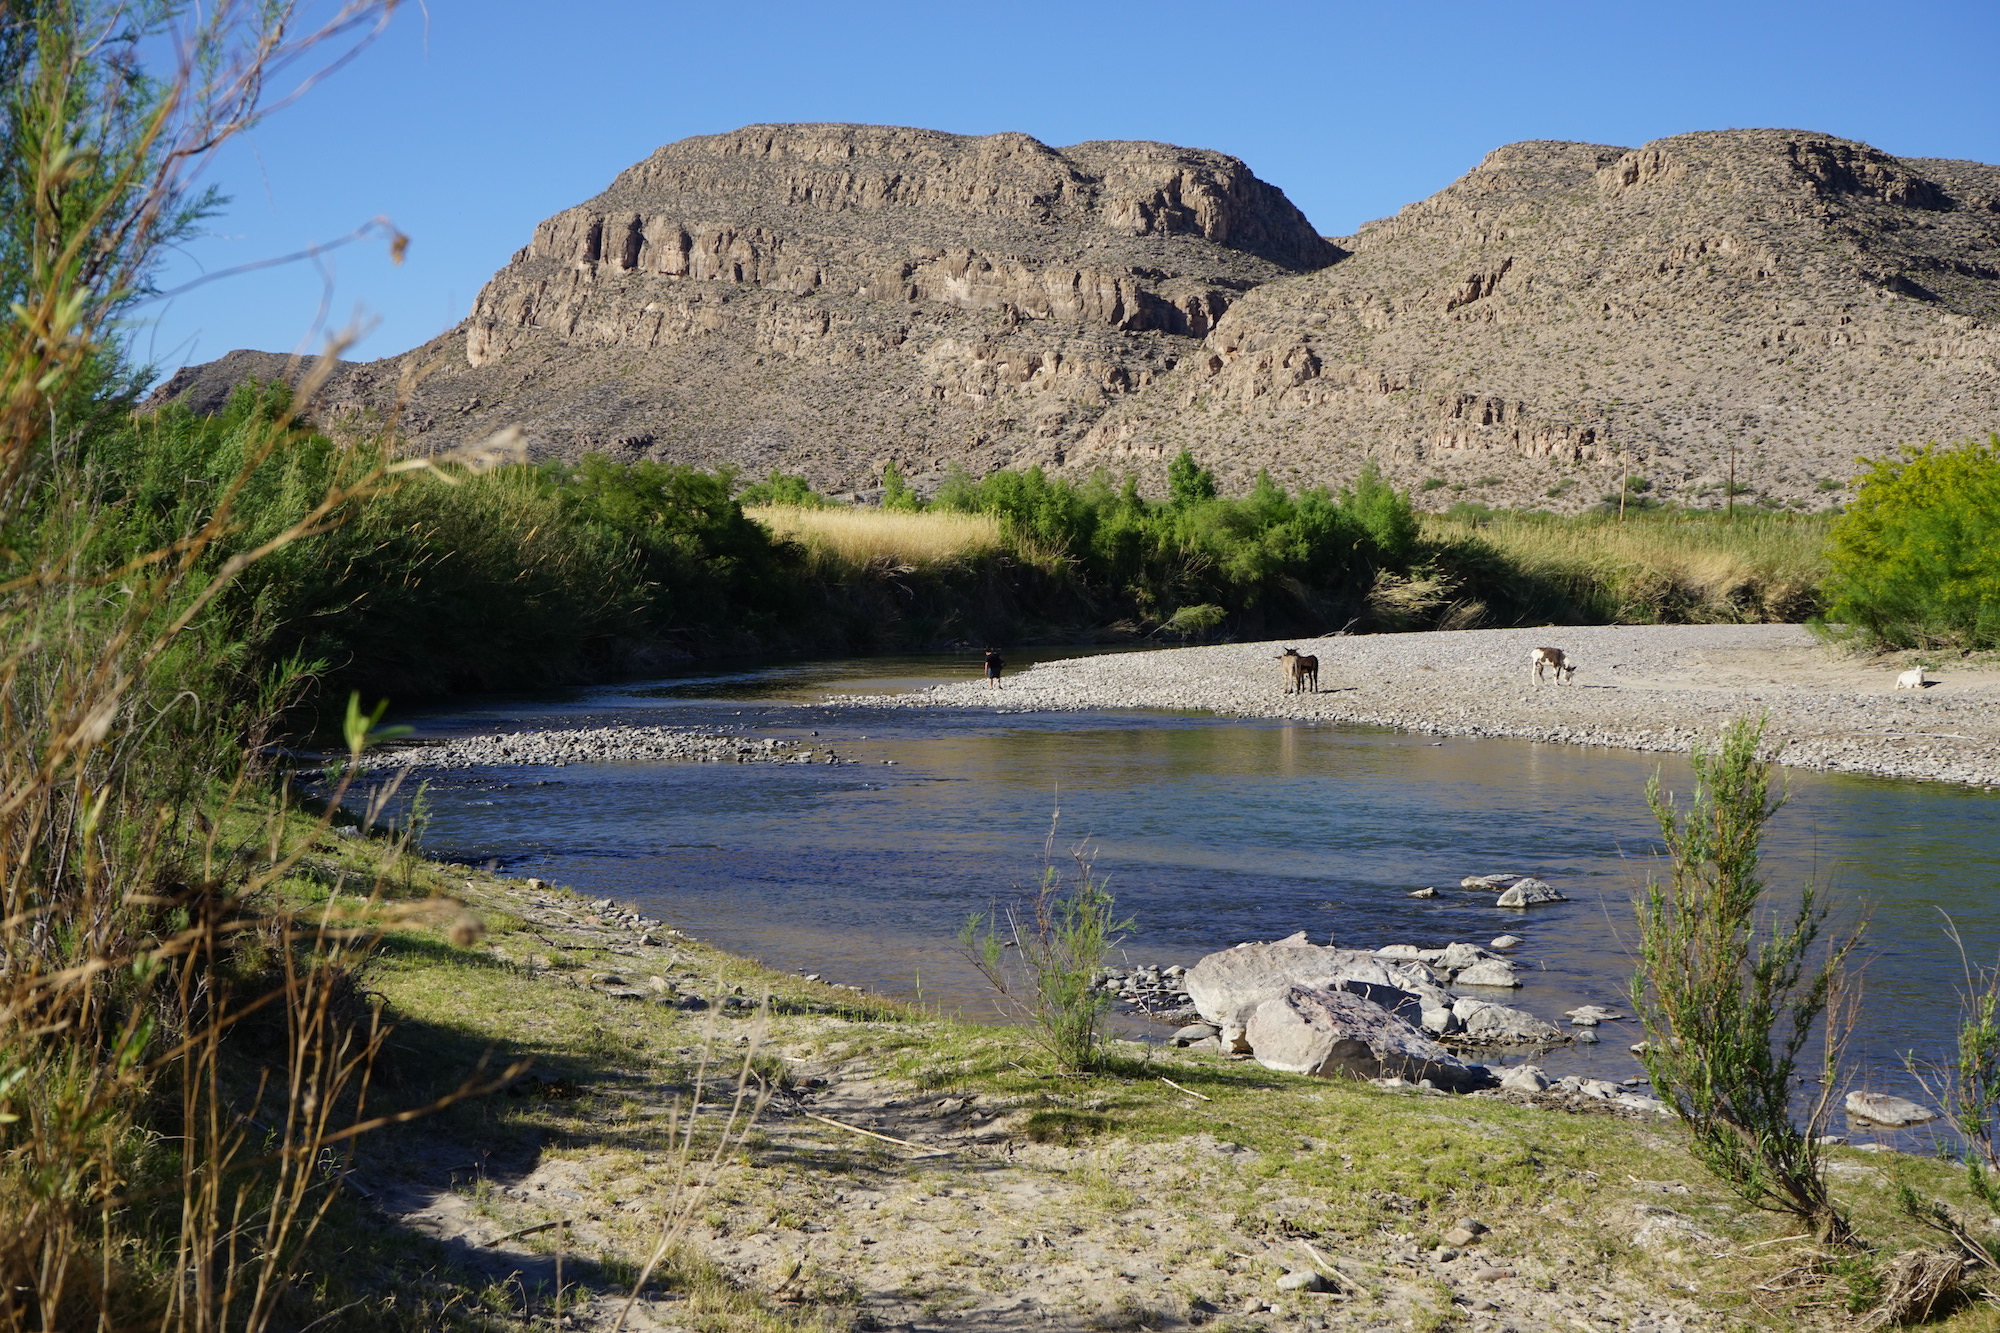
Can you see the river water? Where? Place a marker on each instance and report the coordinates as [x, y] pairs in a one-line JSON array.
[[1210, 831]]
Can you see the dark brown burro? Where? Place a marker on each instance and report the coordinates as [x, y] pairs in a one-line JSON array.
[[1301, 671]]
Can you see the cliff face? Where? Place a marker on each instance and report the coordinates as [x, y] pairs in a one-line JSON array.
[[823, 298], [1576, 312]]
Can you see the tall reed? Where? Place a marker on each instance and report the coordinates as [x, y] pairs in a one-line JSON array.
[[153, 1166]]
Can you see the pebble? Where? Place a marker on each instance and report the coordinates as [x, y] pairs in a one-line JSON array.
[[1304, 1279], [597, 745]]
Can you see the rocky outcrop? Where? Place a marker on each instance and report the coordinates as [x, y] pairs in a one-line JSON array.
[[826, 298], [1337, 1034], [1226, 987]]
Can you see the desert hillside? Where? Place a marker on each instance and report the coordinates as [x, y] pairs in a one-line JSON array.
[[825, 298]]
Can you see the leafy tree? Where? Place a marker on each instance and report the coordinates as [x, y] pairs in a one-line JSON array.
[[1916, 557], [896, 492], [1383, 512], [1188, 482]]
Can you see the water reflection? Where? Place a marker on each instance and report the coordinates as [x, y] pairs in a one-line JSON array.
[[1211, 830]]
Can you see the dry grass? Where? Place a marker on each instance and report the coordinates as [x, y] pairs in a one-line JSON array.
[[1669, 569], [861, 537]]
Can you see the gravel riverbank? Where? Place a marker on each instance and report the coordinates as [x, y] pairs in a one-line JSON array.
[[1653, 687], [559, 746]]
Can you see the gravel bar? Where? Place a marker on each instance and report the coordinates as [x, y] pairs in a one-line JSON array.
[[1651, 687], [557, 747]]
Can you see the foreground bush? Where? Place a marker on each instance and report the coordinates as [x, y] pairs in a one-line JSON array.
[[1916, 558], [1732, 994]]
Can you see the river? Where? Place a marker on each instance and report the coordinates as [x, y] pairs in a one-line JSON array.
[[1210, 831]]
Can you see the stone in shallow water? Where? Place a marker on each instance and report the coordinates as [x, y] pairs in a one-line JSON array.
[[1487, 972], [1881, 1109], [1506, 942], [1529, 892]]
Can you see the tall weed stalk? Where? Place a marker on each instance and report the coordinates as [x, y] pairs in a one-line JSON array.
[[184, 1057], [1732, 994], [1967, 1092], [1060, 939]]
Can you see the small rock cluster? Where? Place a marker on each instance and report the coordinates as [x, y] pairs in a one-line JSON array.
[[598, 745], [1531, 1080], [1460, 964], [1381, 1015], [1150, 987], [1515, 890]]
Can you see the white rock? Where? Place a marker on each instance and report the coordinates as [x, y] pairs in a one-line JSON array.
[[1226, 987], [1639, 1101], [1881, 1109], [1455, 957], [1506, 942], [1500, 1025], [1336, 1033], [1528, 892], [1525, 1078], [1487, 972]]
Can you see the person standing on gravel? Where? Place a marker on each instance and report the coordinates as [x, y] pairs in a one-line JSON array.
[[993, 664]]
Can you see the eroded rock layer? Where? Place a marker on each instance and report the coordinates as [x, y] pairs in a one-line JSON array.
[[824, 298], [1569, 313]]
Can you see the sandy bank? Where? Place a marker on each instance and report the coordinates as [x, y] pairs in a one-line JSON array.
[[1653, 687]]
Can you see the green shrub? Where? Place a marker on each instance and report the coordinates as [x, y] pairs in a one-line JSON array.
[[1916, 557], [782, 488], [1188, 482], [1730, 1000], [896, 492], [1060, 938]]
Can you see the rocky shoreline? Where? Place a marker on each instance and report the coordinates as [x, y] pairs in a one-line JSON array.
[[558, 747], [1653, 687]]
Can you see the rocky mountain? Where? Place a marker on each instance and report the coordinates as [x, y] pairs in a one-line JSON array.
[[1568, 313], [825, 298]]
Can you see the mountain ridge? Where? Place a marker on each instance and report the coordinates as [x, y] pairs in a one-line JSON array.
[[827, 298]]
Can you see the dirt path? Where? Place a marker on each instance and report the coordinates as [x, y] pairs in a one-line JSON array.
[[1653, 687]]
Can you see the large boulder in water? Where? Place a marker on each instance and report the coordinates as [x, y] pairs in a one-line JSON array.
[[1226, 987], [1529, 892], [1336, 1033]]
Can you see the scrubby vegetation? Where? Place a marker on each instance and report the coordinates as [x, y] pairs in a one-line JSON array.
[[1659, 567], [1916, 557], [1732, 1000]]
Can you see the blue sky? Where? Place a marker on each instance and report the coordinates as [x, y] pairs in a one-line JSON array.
[[470, 120]]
